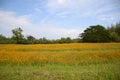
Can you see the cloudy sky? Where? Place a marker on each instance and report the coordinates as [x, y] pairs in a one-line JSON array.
[[56, 18]]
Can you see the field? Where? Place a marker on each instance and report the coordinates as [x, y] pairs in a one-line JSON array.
[[76, 61]]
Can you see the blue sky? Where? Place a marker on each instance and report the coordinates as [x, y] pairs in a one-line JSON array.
[[56, 18]]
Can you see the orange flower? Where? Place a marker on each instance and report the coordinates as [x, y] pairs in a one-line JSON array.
[[75, 53]]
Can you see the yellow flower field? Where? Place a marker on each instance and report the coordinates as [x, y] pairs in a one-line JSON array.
[[75, 53]]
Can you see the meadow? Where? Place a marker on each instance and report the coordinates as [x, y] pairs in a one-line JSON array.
[[76, 61]]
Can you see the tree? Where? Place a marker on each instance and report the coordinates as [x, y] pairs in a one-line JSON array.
[[76, 40], [44, 41], [68, 40], [117, 28], [17, 35], [2, 39], [114, 37], [62, 40], [114, 31], [30, 39], [95, 34]]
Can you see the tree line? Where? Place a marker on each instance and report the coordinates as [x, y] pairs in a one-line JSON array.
[[95, 33], [18, 38]]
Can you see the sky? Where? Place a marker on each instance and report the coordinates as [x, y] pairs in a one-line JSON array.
[[54, 19]]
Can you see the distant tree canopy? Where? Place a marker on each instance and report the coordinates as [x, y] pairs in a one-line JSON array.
[[95, 34], [114, 31], [17, 35], [3, 39]]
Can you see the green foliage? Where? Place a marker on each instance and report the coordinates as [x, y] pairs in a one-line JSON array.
[[31, 40], [114, 31], [17, 35], [95, 34], [114, 37], [2, 39], [5, 40], [44, 41], [65, 40]]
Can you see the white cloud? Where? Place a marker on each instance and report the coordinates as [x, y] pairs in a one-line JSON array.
[[54, 31], [112, 18], [9, 21], [61, 1], [83, 8], [54, 6], [38, 10], [63, 14]]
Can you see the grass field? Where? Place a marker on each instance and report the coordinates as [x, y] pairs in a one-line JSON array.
[[78, 61]]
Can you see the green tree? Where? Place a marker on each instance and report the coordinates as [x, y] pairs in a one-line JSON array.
[[95, 34], [44, 41], [68, 40], [114, 31], [114, 36], [2, 39], [117, 28], [76, 40], [31, 39], [62, 40], [17, 35]]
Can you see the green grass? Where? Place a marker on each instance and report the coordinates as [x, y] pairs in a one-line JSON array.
[[101, 71]]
